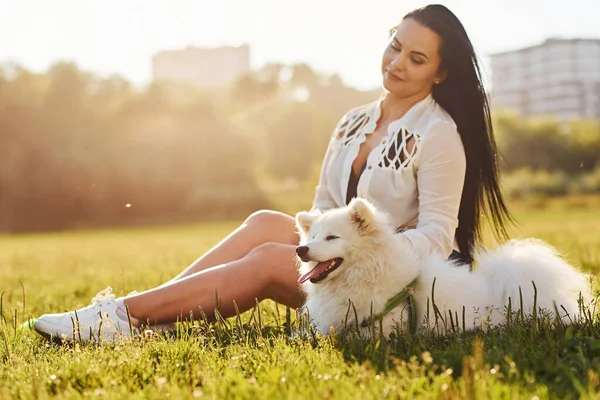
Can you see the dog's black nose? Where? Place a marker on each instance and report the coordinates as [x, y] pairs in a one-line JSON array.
[[302, 252]]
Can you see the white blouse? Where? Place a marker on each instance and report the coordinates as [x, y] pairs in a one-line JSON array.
[[420, 190]]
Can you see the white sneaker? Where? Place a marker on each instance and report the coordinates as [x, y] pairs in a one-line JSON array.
[[100, 321]]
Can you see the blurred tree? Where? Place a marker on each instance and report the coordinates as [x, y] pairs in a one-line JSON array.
[[76, 149], [297, 140], [544, 143]]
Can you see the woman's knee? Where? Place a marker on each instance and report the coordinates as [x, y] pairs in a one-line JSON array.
[[267, 252], [275, 264], [274, 259], [267, 218], [273, 226]]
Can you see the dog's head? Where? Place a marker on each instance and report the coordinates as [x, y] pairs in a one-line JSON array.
[[336, 238]]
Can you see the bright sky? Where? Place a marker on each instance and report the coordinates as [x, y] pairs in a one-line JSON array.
[[342, 36]]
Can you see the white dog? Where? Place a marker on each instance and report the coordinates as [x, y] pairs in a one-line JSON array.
[[351, 255]]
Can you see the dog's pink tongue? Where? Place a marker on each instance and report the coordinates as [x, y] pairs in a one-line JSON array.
[[313, 273]]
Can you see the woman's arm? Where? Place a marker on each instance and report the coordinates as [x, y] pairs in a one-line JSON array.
[[441, 169]]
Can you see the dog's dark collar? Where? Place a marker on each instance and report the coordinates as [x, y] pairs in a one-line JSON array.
[[407, 294]]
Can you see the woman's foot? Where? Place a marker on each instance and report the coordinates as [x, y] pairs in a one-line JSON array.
[[104, 320]]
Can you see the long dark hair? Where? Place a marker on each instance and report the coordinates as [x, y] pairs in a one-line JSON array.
[[462, 95]]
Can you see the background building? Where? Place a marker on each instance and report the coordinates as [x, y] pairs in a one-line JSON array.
[[204, 67], [559, 77]]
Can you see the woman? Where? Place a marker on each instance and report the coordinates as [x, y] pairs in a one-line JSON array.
[[424, 152]]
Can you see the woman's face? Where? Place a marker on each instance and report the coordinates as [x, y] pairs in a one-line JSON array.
[[411, 61]]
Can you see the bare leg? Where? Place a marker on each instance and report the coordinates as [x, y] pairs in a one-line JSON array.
[[267, 271], [255, 262], [259, 228]]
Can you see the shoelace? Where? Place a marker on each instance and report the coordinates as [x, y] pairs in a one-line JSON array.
[[102, 295]]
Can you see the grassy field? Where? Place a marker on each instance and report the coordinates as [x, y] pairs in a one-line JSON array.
[[253, 356]]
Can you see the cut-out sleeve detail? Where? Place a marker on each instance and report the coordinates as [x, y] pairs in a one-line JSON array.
[[356, 125], [396, 154]]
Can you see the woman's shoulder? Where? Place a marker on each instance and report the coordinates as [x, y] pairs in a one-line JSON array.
[[434, 119], [440, 115], [439, 133]]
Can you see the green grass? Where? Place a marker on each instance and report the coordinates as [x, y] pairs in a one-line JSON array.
[[255, 357]]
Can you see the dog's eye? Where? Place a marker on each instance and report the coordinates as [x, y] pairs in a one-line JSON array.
[[331, 237]]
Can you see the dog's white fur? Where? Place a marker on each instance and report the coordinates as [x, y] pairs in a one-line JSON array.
[[379, 263]]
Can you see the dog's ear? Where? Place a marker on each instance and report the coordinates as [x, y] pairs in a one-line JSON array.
[[362, 214], [304, 220]]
